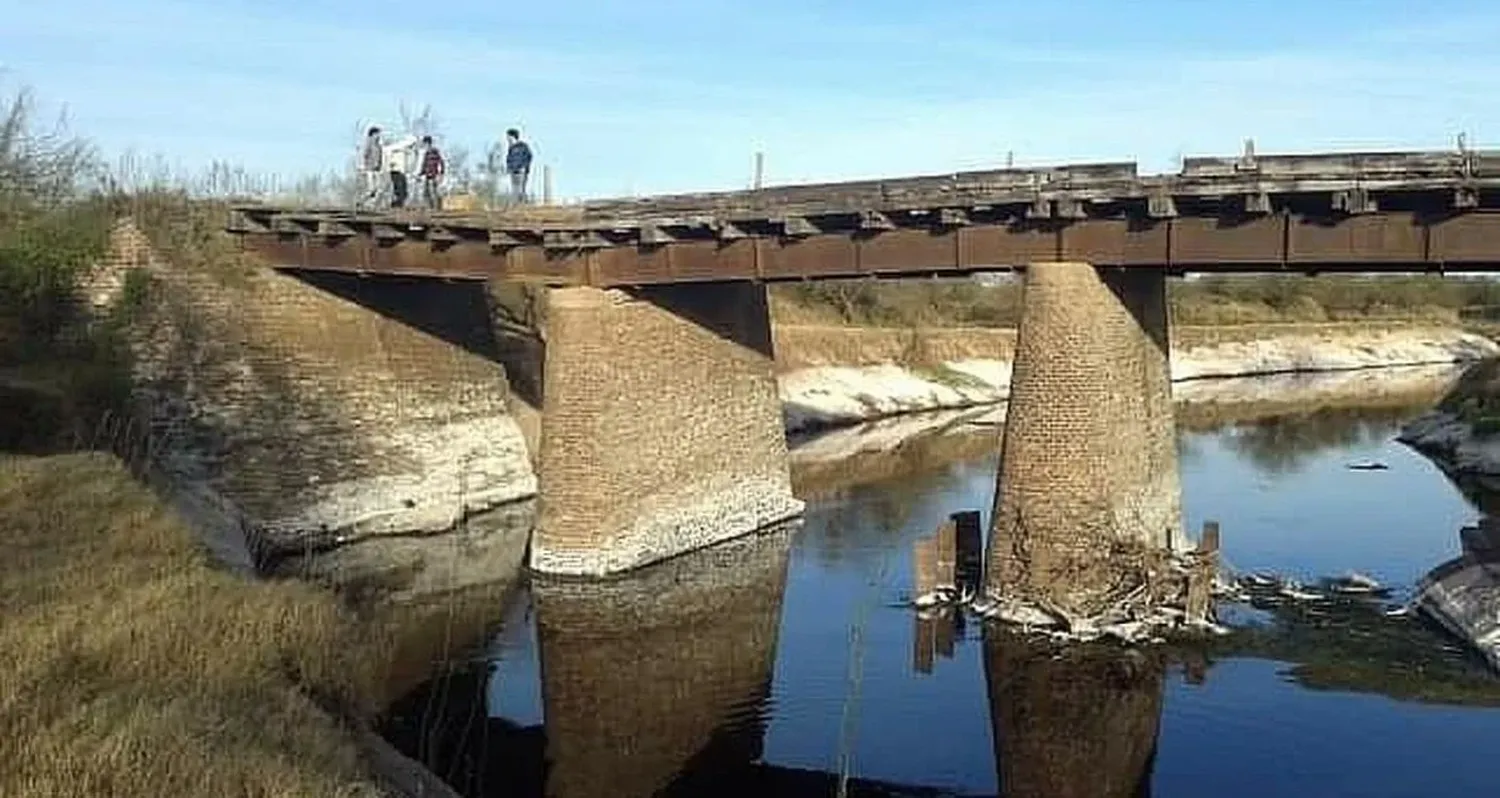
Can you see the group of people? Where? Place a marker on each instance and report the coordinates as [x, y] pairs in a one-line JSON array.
[[385, 163]]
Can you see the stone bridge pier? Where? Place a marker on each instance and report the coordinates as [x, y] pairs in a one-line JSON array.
[[1088, 477], [661, 428]]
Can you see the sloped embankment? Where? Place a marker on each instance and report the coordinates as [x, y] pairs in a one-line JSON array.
[[312, 414]]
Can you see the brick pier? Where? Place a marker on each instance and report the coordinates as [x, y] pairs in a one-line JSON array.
[[1088, 459], [661, 428]]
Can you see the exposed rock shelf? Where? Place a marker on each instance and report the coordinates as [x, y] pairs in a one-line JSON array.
[[830, 396]]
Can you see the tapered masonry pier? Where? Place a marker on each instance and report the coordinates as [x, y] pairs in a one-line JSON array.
[[1088, 474], [661, 431]]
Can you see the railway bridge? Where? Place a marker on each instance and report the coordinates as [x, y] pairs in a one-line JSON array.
[[661, 430]]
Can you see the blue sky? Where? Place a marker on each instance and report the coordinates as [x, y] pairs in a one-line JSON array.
[[675, 95]]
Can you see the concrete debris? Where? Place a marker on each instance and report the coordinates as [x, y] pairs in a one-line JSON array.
[[1136, 620], [943, 597], [1135, 624], [1295, 592], [1355, 583]]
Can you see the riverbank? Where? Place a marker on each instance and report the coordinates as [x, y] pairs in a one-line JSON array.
[[835, 376], [132, 666], [133, 663], [1460, 434], [111, 580]]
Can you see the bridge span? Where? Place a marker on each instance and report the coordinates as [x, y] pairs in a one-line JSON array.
[[1306, 213], [661, 428]]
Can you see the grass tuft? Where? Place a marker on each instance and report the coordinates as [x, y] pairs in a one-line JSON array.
[[129, 665]]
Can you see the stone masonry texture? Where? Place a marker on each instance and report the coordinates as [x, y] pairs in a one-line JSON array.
[[661, 431], [308, 412], [1088, 470], [652, 676]]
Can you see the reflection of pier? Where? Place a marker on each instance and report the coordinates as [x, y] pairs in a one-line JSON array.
[[650, 681], [657, 685], [1076, 721]]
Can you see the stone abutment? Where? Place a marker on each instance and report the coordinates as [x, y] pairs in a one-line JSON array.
[[307, 411]]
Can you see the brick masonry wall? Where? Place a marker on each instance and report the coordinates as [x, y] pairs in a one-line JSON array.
[[305, 416], [658, 671], [662, 428], [1088, 457]]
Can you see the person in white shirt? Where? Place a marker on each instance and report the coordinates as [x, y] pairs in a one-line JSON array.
[[399, 155]]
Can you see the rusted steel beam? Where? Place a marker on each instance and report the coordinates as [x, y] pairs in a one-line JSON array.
[[1386, 240]]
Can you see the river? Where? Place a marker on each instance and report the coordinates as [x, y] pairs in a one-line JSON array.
[[779, 664]]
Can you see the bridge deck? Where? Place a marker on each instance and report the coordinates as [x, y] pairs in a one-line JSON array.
[[1419, 211]]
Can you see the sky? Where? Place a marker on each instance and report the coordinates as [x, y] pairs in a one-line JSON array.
[[658, 96]]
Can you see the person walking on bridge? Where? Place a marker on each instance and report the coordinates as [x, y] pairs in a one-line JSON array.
[[517, 164], [432, 170], [398, 157], [370, 160]]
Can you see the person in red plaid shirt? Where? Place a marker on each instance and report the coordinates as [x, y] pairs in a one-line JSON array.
[[431, 172]]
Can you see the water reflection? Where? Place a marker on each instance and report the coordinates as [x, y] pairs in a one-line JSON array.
[[1287, 443], [1080, 721], [785, 665], [654, 683]]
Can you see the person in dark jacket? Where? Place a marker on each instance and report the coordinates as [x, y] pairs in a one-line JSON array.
[[431, 171], [371, 160], [517, 164]]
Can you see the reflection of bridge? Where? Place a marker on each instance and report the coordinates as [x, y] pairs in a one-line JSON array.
[[658, 683], [661, 430]]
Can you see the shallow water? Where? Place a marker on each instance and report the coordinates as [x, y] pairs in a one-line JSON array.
[[779, 663]]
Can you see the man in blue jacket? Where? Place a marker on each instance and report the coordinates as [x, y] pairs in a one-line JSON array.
[[517, 164]]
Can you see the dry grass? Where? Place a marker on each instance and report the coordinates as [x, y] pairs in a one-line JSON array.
[[130, 666], [803, 346]]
